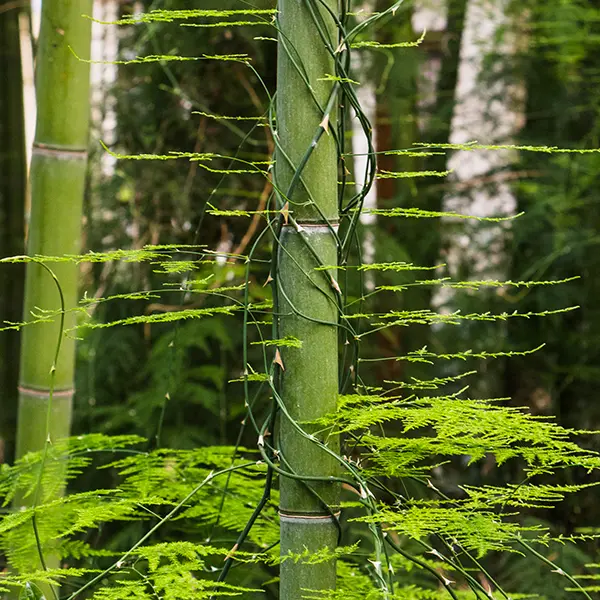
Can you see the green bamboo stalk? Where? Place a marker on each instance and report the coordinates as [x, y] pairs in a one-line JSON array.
[[13, 179], [58, 173], [306, 297]]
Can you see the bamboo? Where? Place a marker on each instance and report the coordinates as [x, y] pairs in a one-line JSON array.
[[58, 172], [309, 382], [12, 213]]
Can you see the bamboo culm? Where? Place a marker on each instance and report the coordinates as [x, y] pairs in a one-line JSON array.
[[57, 184], [306, 304]]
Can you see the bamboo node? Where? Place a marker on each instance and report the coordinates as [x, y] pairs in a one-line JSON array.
[[308, 518], [39, 393], [58, 152]]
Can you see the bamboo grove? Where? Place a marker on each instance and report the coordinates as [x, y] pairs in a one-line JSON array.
[[332, 489]]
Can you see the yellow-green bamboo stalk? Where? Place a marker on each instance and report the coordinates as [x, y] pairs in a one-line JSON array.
[[58, 172], [307, 302], [12, 215]]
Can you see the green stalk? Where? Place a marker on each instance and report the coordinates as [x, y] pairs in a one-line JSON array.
[[306, 298], [58, 173], [13, 179]]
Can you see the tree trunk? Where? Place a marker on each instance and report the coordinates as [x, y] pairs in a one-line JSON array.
[[12, 218], [489, 108], [28, 42], [307, 304], [362, 67], [103, 77], [58, 172]]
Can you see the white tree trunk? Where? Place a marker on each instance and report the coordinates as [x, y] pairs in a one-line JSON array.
[[489, 109], [27, 70], [368, 102], [366, 94], [103, 76]]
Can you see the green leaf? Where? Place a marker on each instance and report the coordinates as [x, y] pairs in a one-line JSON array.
[[31, 591]]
